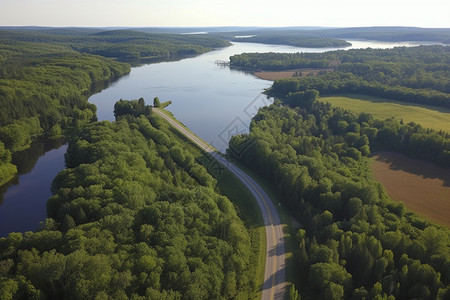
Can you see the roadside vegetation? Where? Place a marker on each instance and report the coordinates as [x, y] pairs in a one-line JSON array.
[[356, 242], [141, 213], [46, 77], [133, 215], [247, 207]]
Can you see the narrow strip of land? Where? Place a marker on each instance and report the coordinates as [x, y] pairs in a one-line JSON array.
[[274, 274]]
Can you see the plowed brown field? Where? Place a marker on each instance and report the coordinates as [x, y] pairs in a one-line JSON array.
[[423, 187]]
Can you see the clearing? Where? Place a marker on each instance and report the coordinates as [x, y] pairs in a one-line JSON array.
[[428, 116], [423, 187], [275, 75]]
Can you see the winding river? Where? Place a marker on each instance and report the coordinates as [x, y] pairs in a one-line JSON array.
[[214, 101]]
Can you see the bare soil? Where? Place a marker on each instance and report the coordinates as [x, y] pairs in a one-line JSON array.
[[267, 75], [423, 187]]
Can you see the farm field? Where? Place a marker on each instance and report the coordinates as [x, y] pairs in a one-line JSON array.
[[275, 75], [423, 187], [427, 116]]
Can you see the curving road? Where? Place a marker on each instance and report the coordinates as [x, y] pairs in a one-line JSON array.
[[274, 274]]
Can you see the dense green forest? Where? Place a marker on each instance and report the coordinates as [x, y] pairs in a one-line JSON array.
[[294, 40], [388, 34], [355, 242], [133, 216], [381, 33], [411, 74], [46, 77], [43, 91], [137, 216], [125, 45]]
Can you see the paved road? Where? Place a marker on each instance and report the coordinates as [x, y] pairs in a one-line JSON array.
[[274, 274]]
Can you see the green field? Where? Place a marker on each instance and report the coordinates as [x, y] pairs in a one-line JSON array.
[[427, 116]]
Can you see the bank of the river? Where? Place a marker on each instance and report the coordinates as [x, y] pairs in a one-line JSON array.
[[23, 200]]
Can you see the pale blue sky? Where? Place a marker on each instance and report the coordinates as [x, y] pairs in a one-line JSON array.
[[140, 13]]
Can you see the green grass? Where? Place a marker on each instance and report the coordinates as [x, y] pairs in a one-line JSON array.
[[427, 116]]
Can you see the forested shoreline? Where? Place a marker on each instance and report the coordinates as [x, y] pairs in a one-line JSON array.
[[43, 92], [355, 241], [410, 74], [374, 33], [133, 215], [136, 215], [46, 78], [295, 40]]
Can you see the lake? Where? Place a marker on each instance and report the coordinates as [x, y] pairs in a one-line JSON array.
[[215, 102], [23, 200]]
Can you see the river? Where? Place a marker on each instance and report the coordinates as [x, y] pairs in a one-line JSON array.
[[215, 102]]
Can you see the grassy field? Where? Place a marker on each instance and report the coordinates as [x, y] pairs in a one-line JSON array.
[[427, 116], [423, 187]]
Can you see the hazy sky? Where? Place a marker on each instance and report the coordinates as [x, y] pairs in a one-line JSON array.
[[141, 13]]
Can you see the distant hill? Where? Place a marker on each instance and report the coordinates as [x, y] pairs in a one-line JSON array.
[[379, 33], [388, 34]]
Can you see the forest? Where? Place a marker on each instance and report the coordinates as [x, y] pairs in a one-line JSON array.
[[47, 76], [354, 242], [294, 40], [375, 33], [410, 74], [134, 215], [137, 216], [122, 44]]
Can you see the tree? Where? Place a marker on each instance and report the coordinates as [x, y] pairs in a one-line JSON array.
[[293, 293], [156, 102]]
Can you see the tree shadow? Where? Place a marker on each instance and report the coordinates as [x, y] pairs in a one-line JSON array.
[[418, 167], [26, 160], [274, 280], [279, 248]]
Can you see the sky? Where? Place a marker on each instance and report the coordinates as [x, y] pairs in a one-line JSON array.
[[197, 13]]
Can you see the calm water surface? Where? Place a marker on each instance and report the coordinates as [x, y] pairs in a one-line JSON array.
[[214, 102], [23, 200]]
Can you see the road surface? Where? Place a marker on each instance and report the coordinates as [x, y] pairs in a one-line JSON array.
[[274, 275]]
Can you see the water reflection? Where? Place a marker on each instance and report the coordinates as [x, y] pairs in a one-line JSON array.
[[23, 200]]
